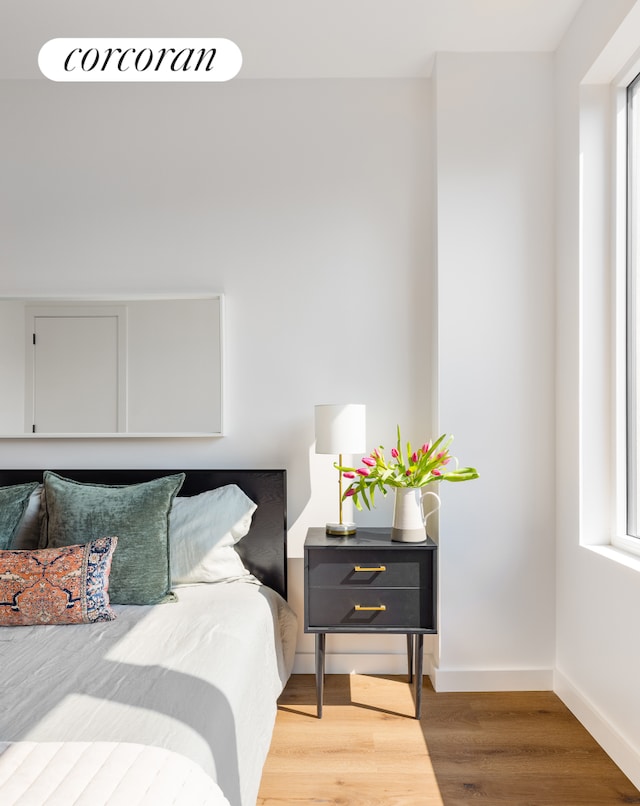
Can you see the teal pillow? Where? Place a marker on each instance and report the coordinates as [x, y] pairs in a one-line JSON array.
[[138, 514], [13, 505]]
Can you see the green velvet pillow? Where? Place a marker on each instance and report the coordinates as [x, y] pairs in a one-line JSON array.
[[138, 514], [13, 505]]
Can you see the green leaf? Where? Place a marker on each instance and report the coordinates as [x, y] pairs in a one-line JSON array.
[[437, 444], [399, 447], [462, 474], [343, 468]]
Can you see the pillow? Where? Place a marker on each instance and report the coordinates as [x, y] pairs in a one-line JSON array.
[[13, 505], [202, 532], [137, 513], [28, 535], [67, 585]]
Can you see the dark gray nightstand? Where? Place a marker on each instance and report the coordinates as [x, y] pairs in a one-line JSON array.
[[367, 583]]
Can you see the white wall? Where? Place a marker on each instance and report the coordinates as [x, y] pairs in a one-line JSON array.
[[495, 207], [307, 203], [598, 597]]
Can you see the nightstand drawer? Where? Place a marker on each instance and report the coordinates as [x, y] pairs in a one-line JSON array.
[[370, 569], [364, 610]]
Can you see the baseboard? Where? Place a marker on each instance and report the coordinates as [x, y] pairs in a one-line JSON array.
[[442, 679], [613, 743], [492, 679]]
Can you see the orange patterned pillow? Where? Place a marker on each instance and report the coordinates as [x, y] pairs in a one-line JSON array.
[[67, 585]]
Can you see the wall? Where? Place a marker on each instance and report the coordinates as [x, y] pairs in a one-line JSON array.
[[598, 596], [495, 234], [307, 203]]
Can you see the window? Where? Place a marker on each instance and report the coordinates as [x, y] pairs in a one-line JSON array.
[[609, 302], [633, 306]]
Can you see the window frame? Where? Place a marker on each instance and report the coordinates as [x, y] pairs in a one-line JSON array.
[[632, 93], [627, 535]]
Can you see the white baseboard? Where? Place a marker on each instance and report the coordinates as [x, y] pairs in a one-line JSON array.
[[613, 743], [492, 679], [442, 679]]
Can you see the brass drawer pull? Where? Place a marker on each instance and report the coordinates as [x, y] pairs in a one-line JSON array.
[[378, 607], [374, 568]]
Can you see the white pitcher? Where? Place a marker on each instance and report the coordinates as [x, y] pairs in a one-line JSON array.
[[409, 515]]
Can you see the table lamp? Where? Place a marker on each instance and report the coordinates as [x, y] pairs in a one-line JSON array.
[[340, 428]]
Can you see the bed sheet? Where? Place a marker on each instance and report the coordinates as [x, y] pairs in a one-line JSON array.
[[199, 677]]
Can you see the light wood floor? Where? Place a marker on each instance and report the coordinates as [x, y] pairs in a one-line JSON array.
[[522, 749]]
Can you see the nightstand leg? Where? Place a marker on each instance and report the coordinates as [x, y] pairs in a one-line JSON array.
[[320, 641], [410, 656], [418, 682]]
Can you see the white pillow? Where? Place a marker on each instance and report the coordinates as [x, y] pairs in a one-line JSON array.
[[203, 530]]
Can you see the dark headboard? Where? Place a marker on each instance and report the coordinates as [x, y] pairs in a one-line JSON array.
[[263, 550]]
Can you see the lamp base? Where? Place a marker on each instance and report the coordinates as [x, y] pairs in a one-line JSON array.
[[341, 529]]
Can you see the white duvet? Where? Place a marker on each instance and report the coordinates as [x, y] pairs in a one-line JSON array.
[[198, 678]]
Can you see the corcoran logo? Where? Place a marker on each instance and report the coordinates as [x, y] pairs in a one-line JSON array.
[[99, 59]]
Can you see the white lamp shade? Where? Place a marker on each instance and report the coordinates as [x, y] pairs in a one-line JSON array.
[[341, 428]]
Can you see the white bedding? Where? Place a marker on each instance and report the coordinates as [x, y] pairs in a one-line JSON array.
[[102, 774], [199, 677]]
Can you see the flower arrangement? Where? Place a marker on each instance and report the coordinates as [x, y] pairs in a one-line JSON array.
[[414, 468]]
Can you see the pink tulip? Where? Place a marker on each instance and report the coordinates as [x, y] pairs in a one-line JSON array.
[[349, 475], [362, 471], [349, 493], [394, 453], [375, 453], [425, 448], [414, 457], [369, 461], [436, 473], [408, 472]]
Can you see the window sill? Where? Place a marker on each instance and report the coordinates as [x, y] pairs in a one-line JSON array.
[[629, 545], [620, 552]]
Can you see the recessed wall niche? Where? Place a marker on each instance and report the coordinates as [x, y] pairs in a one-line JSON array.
[[111, 367]]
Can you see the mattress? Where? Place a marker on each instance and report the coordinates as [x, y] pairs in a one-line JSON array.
[[198, 678]]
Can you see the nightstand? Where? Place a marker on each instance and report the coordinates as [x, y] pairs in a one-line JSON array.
[[366, 583]]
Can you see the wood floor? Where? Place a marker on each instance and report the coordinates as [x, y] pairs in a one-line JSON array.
[[522, 749]]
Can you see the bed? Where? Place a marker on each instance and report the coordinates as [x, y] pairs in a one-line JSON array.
[[149, 704]]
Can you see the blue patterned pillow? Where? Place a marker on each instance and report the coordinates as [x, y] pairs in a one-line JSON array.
[[67, 585]]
